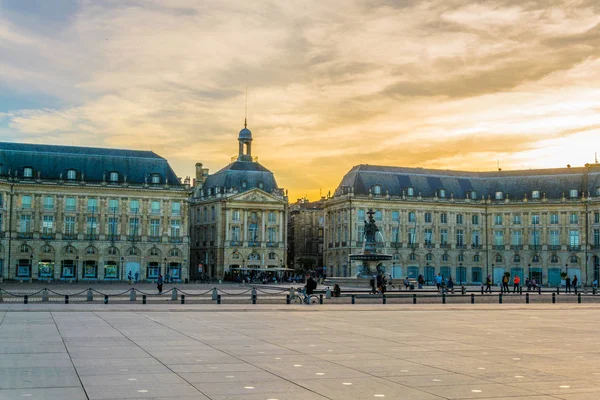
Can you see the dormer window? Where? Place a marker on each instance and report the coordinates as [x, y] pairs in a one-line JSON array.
[[473, 195], [499, 195], [28, 172], [261, 185], [244, 184], [377, 190], [573, 193], [71, 174], [597, 190], [410, 191], [535, 194], [155, 179], [113, 177], [442, 193]]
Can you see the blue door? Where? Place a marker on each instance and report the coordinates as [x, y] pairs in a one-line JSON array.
[[413, 272], [554, 277], [517, 271], [429, 275], [461, 275], [476, 275], [446, 272]]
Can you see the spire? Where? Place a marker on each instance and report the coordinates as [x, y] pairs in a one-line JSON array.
[[245, 123]]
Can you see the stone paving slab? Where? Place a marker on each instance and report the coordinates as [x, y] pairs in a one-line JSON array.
[[421, 352]]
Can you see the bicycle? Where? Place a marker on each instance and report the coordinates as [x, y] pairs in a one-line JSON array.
[[300, 297]]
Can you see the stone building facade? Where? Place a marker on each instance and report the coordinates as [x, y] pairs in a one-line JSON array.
[[238, 218], [306, 221], [91, 214], [534, 223]]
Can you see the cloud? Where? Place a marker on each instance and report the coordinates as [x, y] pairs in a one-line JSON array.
[[438, 83]]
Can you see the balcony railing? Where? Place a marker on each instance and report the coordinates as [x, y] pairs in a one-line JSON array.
[[395, 245], [179, 239], [344, 244], [69, 236], [274, 244], [91, 237], [498, 247], [461, 246], [516, 247], [257, 244], [47, 236], [554, 247], [596, 247], [477, 246], [24, 235], [155, 238], [235, 243], [575, 248], [336, 244], [133, 238], [444, 245]]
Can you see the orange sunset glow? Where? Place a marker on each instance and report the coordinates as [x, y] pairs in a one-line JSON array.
[[331, 84]]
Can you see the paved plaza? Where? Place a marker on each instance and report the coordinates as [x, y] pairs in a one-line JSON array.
[[304, 352]]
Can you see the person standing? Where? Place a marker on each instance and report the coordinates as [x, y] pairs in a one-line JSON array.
[[488, 284], [159, 283], [438, 281], [137, 276], [567, 284], [380, 283], [574, 283], [372, 283], [420, 281], [516, 282], [505, 284]]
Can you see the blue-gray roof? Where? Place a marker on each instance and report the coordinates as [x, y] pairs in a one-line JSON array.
[[94, 163], [553, 182], [245, 134], [250, 172]]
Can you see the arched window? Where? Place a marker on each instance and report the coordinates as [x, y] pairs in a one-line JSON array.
[[24, 248], [272, 256], [133, 251], [71, 174], [535, 194], [461, 258], [235, 255], [112, 251], [442, 193], [554, 259], [499, 195], [473, 195], [410, 191], [412, 257], [517, 258], [445, 257], [429, 257], [476, 258], [574, 260], [573, 193], [244, 184], [47, 249], [154, 252], [174, 253], [377, 189], [253, 256], [535, 259], [69, 250], [155, 179], [261, 185], [396, 257], [90, 250], [498, 258]]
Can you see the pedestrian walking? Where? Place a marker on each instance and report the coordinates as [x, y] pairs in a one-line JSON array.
[[516, 282], [159, 283], [372, 283], [438, 281], [137, 276], [130, 278], [567, 285], [420, 281], [488, 284], [406, 283]]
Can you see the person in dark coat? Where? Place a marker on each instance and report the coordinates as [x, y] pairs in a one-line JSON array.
[[567, 285], [159, 283], [311, 285]]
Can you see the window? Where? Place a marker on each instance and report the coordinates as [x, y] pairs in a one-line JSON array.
[[554, 259], [272, 256], [69, 250], [26, 202], [113, 225], [597, 217], [48, 203], [428, 217], [25, 224], [498, 238], [176, 228], [235, 233], [535, 219], [574, 260], [476, 258], [69, 225], [174, 253], [517, 219], [476, 238], [395, 216], [155, 179], [92, 205], [442, 193], [28, 172], [444, 218], [71, 174], [499, 258], [535, 259], [176, 209], [459, 219], [517, 238], [91, 225], [235, 255], [154, 252], [596, 238], [244, 184], [378, 215], [499, 195], [133, 251], [460, 238], [461, 257], [395, 235], [573, 218], [155, 207], [535, 194], [412, 236], [154, 227], [134, 206], [473, 195], [428, 236], [133, 226], [554, 238], [429, 257], [475, 219], [70, 204], [360, 214], [24, 248], [213, 213], [272, 217], [517, 258], [114, 177], [554, 218], [235, 215], [412, 257], [252, 232], [444, 237], [261, 185], [47, 249], [597, 190], [498, 219], [412, 217], [360, 232], [377, 189], [47, 224], [410, 191], [112, 251], [445, 257], [535, 238], [573, 193], [90, 250], [272, 234], [574, 238]]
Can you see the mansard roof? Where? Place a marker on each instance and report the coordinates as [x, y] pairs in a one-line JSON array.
[[250, 173], [94, 163], [427, 182]]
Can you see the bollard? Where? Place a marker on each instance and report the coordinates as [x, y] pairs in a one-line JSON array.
[[594, 291], [143, 299], [553, 298], [575, 288], [254, 292], [526, 298], [520, 290], [472, 298], [558, 290], [1, 299], [66, 299], [443, 298], [183, 299], [253, 299], [215, 294], [45, 295], [90, 295], [174, 294], [320, 299], [464, 290], [132, 295], [540, 289], [353, 299], [25, 299], [384, 299], [500, 298], [287, 299], [105, 299], [481, 289], [328, 293], [414, 298], [579, 298], [219, 299]]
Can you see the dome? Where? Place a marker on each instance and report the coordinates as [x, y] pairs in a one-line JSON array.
[[245, 134]]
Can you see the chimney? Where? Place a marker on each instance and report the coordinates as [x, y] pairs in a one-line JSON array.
[[198, 171]]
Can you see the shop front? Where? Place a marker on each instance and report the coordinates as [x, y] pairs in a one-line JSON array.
[[174, 271], [111, 271], [24, 269], [153, 271], [45, 270], [90, 270], [67, 270]]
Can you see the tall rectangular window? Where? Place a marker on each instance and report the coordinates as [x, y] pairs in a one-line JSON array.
[[498, 219], [395, 216], [113, 226], [475, 238], [175, 228], [70, 204], [92, 205], [154, 227], [535, 238], [69, 225], [597, 238], [134, 206], [444, 237], [517, 238], [25, 224], [554, 219], [1, 222], [26, 202], [517, 219], [535, 219], [378, 215], [47, 224], [113, 206], [412, 217], [48, 202], [498, 238], [460, 237], [176, 208], [360, 214], [573, 218], [459, 219], [395, 235], [235, 233], [428, 218], [272, 234], [573, 238], [235, 215], [155, 207], [412, 236], [272, 217], [134, 226], [360, 233], [444, 218], [554, 238], [428, 236], [597, 217], [475, 219], [91, 227]]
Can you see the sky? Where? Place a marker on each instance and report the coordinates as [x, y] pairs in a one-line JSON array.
[[447, 84]]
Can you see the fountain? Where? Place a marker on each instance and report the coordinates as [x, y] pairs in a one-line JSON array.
[[369, 256]]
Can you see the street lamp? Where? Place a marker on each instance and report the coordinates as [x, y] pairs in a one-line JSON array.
[[31, 266], [122, 262], [76, 269], [165, 261]]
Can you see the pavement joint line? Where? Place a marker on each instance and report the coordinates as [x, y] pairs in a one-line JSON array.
[[70, 358], [238, 358], [145, 351]]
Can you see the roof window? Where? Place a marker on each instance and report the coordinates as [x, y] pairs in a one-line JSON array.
[[28, 172]]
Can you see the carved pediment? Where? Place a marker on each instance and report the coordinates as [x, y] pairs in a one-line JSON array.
[[255, 196]]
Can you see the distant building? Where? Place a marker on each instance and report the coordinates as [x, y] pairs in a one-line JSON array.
[[533, 223], [238, 217], [82, 213], [305, 237]]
